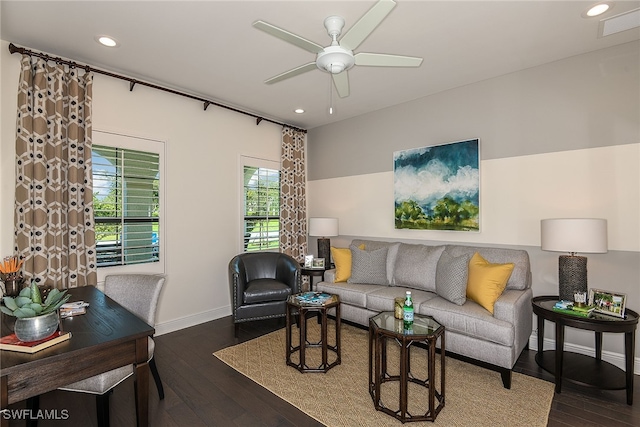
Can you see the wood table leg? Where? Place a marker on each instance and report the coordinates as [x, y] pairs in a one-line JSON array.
[[598, 346], [4, 400], [404, 378], [540, 334], [629, 354], [559, 355], [303, 336]]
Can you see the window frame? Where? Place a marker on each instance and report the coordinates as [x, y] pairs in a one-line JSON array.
[[248, 161], [129, 142]]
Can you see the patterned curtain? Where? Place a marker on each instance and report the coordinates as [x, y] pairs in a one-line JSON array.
[[293, 201], [54, 229]]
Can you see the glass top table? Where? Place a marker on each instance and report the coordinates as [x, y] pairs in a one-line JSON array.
[[425, 331]]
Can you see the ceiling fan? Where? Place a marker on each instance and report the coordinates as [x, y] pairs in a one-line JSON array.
[[338, 58]]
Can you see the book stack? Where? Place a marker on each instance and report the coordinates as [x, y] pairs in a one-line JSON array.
[[568, 307], [12, 343], [313, 298]]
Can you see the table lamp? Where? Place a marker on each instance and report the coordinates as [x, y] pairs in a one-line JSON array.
[[584, 235], [323, 228]]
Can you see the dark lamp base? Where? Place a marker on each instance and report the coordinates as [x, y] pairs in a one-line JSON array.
[[572, 275], [324, 251]]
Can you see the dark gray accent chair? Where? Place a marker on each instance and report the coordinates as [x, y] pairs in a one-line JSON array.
[[260, 284]]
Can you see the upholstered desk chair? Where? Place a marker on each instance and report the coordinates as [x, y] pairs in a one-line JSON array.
[[139, 294], [260, 284]]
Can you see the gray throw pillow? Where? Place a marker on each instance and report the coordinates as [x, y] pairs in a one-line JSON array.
[[368, 267], [451, 277], [416, 266]]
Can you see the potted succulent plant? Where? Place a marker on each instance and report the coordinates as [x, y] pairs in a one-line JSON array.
[[35, 319]]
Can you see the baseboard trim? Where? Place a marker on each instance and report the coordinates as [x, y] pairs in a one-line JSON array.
[[616, 359], [192, 320]]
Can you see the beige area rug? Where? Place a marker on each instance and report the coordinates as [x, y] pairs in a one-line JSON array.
[[473, 396]]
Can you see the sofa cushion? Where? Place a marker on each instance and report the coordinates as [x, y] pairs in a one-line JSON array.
[[352, 294], [486, 281], [368, 266], [416, 266], [342, 260], [521, 275], [451, 277], [469, 319], [383, 299]]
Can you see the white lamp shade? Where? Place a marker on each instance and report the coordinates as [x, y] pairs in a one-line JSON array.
[[323, 227], [585, 235]]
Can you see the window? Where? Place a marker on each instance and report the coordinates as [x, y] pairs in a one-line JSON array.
[[126, 198], [261, 204]]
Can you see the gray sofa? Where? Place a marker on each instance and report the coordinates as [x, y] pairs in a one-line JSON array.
[[493, 341]]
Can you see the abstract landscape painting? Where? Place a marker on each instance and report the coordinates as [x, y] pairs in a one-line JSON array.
[[438, 187]]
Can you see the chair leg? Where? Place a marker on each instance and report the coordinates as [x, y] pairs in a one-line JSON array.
[[102, 408], [236, 327], [156, 377]]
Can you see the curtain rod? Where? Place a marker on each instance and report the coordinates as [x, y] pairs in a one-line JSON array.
[[132, 82]]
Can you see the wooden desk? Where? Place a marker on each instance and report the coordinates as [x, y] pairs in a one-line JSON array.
[[108, 336]]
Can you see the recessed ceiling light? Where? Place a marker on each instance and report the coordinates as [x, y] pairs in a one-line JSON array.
[[107, 41], [298, 111], [597, 9]]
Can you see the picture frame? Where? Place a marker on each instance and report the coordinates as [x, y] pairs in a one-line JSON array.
[[308, 261], [318, 263], [607, 302]]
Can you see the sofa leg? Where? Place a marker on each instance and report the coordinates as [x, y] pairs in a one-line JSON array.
[[236, 328], [506, 378]]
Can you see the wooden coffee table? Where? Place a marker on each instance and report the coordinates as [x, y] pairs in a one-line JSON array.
[[426, 331], [303, 311]]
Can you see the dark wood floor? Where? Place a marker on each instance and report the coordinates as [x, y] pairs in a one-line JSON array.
[[202, 391]]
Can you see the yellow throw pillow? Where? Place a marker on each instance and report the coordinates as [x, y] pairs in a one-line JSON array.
[[487, 281], [342, 260]]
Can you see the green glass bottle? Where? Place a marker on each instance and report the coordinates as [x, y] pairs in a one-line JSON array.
[[407, 311]]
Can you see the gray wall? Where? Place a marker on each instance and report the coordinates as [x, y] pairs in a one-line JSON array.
[[543, 109]]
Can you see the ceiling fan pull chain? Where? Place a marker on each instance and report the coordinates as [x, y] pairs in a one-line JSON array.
[[330, 95]]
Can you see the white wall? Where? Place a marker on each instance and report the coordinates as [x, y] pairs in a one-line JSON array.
[[201, 183]]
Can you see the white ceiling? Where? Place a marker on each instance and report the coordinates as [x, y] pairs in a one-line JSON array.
[[210, 49]]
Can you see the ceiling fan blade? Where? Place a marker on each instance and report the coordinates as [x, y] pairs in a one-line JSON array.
[[369, 21], [383, 60], [341, 81], [294, 72], [288, 37]]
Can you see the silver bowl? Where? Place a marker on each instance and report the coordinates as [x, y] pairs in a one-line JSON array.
[[36, 328]]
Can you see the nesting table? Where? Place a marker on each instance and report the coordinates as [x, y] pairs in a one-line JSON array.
[[303, 311], [385, 327]]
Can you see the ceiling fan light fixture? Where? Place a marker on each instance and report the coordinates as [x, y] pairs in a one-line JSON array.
[[335, 59]]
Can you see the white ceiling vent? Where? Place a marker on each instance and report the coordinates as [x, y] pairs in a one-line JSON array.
[[615, 24]]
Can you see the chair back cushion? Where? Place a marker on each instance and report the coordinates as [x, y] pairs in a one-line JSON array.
[[138, 293]]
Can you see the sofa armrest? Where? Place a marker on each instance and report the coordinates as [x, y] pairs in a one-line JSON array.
[[514, 306], [330, 276]]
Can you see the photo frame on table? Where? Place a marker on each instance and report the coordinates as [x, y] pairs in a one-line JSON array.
[[607, 302], [318, 263], [308, 261]]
